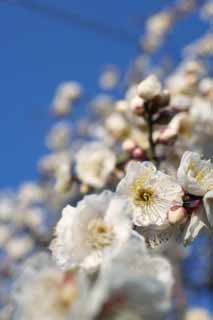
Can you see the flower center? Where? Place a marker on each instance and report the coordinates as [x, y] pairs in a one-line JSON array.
[[100, 235], [197, 174], [185, 129], [141, 195], [68, 295]]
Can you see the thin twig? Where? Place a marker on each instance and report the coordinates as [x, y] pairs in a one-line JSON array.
[[149, 121]]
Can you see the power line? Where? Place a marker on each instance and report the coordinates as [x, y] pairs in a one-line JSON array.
[[75, 18]]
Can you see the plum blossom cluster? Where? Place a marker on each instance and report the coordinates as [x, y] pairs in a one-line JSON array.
[[137, 292], [133, 185]]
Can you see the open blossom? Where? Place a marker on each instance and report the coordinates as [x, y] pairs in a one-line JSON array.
[[66, 94], [94, 163], [99, 223], [131, 285], [195, 175], [151, 194], [43, 292]]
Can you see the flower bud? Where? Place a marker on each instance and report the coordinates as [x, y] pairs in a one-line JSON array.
[[128, 145], [137, 153], [149, 88], [177, 214], [137, 105]]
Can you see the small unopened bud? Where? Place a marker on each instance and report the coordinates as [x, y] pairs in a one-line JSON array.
[[177, 215], [149, 88], [137, 153], [137, 105], [128, 145]]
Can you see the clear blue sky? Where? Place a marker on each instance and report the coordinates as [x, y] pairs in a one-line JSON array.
[[37, 53]]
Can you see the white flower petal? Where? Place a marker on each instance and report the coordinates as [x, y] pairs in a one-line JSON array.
[[208, 205]]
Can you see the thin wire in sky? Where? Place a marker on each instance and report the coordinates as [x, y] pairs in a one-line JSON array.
[[74, 18]]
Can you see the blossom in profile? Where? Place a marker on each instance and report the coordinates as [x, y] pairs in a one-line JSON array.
[[194, 174], [94, 164], [98, 224], [43, 292], [196, 177], [151, 194]]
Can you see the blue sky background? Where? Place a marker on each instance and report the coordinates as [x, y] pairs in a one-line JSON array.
[[37, 53]]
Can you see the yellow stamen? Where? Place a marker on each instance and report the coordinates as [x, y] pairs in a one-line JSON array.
[[100, 234], [141, 194]]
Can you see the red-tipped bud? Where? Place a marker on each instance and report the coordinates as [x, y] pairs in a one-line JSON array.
[[177, 214]]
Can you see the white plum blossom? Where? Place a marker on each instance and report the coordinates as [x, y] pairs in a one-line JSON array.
[[196, 177], [98, 224], [195, 224], [194, 174], [151, 194], [51, 163], [66, 94], [43, 292], [94, 163], [131, 285]]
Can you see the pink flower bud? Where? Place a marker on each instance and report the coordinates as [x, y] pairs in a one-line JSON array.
[[137, 153], [177, 214]]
